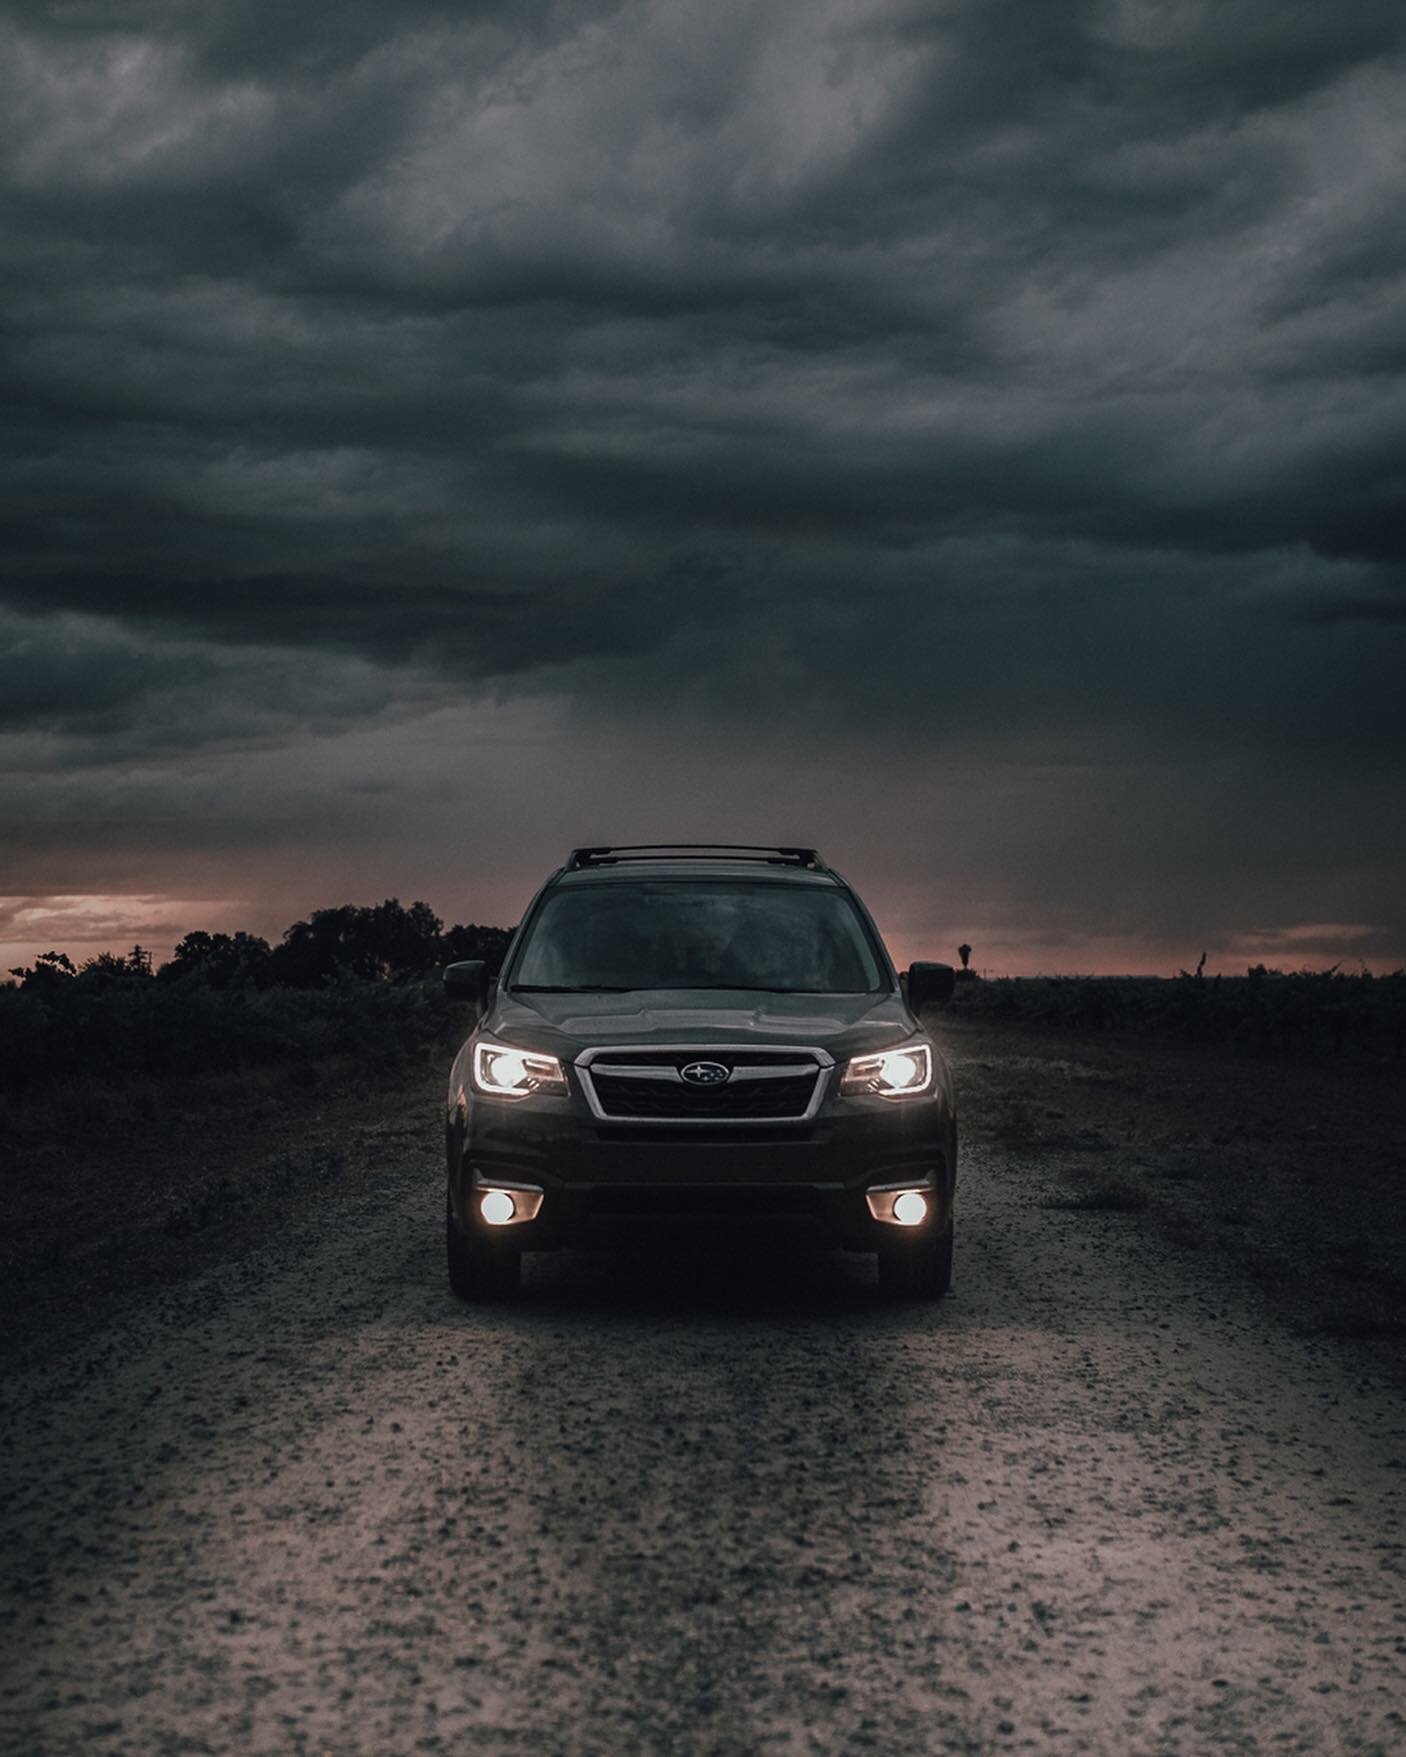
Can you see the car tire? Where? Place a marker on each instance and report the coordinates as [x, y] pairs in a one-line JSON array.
[[920, 1270], [476, 1273]]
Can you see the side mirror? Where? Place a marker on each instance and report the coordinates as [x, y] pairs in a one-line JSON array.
[[929, 985], [467, 982]]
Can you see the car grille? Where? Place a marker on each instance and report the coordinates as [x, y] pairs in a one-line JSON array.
[[649, 1086], [621, 1096]]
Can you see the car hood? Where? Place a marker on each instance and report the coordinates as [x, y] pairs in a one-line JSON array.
[[842, 1024]]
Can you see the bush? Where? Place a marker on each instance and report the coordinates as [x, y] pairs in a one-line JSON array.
[[1322, 1012], [354, 980], [77, 1030]]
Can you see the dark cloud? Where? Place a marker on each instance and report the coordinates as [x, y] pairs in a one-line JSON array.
[[89, 692], [1023, 382]]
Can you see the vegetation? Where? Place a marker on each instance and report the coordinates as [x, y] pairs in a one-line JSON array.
[[351, 980], [362, 981], [1320, 1012]]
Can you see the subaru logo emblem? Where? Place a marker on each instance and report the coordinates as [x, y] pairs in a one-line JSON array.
[[705, 1073]]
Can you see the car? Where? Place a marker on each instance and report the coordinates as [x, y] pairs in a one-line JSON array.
[[699, 1029]]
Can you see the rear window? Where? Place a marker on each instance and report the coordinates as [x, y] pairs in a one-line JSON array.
[[789, 938]]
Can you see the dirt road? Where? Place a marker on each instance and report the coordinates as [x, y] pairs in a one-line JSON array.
[[1098, 1501]]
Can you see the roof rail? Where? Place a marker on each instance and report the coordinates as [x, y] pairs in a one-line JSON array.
[[610, 856]]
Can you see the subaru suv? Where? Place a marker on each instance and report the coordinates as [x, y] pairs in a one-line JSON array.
[[699, 1030]]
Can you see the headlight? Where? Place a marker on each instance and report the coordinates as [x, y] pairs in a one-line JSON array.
[[514, 1073], [895, 1073]]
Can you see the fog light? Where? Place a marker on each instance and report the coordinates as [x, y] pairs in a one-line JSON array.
[[497, 1207], [898, 1204], [910, 1208]]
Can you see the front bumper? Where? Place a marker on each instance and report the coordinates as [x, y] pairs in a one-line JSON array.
[[588, 1170]]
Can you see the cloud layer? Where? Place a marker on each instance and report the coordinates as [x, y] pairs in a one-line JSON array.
[[956, 394]]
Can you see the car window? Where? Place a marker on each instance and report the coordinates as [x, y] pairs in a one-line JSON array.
[[698, 935]]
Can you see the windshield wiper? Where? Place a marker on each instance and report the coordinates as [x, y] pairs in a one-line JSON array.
[[689, 988], [568, 988], [756, 988]]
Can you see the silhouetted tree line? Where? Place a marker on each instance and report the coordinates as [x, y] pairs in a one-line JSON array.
[[382, 942], [354, 981]]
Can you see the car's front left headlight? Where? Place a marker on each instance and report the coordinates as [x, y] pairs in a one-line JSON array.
[[516, 1073], [905, 1072]]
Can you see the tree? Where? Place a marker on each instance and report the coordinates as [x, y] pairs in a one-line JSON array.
[[488, 943], [220, 960], [48, 968], [964, 953], [109, 970], [373, 943]]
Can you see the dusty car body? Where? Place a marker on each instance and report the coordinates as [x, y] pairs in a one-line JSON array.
[[699, 1030]]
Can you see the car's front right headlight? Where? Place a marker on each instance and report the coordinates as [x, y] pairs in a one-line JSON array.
[[905, 1072], [503, 1072]]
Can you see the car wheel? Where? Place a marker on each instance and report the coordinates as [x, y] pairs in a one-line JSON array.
[[922, 1270], [476, 1273]]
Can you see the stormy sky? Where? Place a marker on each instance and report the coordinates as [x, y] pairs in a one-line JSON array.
[[967, 436]]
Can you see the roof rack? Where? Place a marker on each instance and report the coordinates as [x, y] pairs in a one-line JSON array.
[[610, 856]]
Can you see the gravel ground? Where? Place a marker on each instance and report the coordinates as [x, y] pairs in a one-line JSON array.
[[704, 1498]]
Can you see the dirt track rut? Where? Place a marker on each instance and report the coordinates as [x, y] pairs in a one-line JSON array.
[[1098, 1501]]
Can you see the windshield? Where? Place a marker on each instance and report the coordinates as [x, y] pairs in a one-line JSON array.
[[788, 938]]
